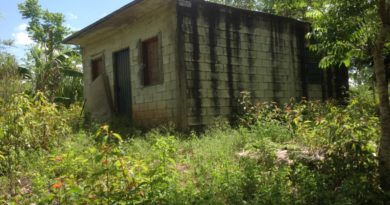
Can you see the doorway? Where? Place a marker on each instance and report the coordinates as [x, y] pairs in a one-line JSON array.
[[122, 83]]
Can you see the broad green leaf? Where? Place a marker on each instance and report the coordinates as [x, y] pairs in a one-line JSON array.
[[117, 136]]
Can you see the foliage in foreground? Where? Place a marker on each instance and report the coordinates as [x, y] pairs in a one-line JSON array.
[[302, 153]]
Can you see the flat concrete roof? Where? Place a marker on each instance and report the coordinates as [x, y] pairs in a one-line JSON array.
[[125, 14]]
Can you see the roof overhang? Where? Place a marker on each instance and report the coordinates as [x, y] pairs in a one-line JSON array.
[[132, 12], [123, 16]]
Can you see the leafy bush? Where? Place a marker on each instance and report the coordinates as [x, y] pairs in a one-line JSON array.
[[102, 173], [335, 159], [27, 124], [12, 78], [300, 153], [316, 124]]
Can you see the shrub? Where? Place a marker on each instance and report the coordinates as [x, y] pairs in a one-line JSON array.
[[27, 124], [103, 173], [299, 153], [335, 147]]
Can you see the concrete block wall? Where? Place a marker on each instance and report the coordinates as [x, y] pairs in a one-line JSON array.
[[151, 105], [227, 51]]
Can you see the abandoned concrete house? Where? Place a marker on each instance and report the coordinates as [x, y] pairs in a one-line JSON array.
[[186, 61]]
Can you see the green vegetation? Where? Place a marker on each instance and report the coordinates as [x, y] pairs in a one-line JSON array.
[[55, 68], [351, 33], [297, 153], [301, 153]]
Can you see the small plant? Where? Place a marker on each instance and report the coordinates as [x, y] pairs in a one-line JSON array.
[[27, 124]]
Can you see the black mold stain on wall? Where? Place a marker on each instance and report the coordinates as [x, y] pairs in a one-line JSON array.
[[196, 94], [229, 63], [276, 47], [233, 52], [300, 34], [236, 24], [212, 15], [273, 61], [250, 46], [338, 84], [182, 115], [292, 52], [196, 86]]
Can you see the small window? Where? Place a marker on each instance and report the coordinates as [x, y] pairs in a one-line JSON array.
[[97, 68], [151, 60]]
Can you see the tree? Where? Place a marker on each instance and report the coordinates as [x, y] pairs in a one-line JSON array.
[[351, 32], [10, 74], [383, 90], [44, 27], [50, 60], [290, 8], [246, 4]]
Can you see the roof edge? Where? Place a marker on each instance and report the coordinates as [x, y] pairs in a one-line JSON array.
[[77, 34], [91, 26], [257, 12]]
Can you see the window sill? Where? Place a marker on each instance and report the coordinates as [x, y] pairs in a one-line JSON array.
[[152, 85]]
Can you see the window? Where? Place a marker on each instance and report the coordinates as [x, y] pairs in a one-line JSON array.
[[97, 68], [151, 60]]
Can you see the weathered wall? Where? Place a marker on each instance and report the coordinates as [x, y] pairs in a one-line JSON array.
[[227, 50], [151, 104], [210, 53]]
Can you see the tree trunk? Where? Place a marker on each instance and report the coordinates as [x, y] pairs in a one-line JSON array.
[[383, 92]]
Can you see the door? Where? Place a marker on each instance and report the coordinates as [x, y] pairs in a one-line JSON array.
[[122, 82]]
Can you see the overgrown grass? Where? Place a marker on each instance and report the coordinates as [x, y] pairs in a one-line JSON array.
[[300, 153]]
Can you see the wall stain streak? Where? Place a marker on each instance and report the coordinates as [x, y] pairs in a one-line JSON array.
[[300, 33], [276, 49], [212, 15], [229, 64], [292, 53], [181, 71], [251, 63], [196, 93], [273, 61], [236, 22]]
